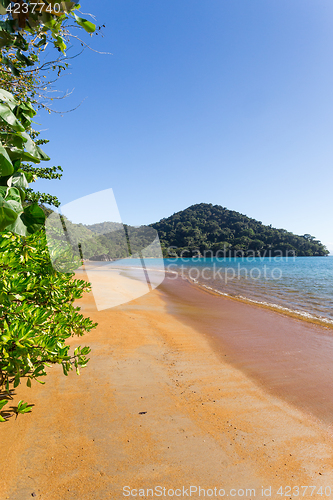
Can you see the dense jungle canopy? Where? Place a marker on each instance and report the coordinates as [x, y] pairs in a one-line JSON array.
[[211, 228]]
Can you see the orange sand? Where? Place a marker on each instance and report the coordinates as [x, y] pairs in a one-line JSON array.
[[205, 423]]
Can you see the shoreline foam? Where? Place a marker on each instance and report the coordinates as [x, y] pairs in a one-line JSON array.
[[302, 315]]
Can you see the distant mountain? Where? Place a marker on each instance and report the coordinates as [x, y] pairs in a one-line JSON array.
[[105, 227], [212, 230]]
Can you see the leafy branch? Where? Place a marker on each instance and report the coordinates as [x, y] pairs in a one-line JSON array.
[[37, 313]]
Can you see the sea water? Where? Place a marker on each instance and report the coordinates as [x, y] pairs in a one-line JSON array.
[[302, 285], [299, 284]]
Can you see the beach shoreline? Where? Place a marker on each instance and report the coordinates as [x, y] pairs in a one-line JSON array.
[[300, 315], [158, 404], [267, 345]]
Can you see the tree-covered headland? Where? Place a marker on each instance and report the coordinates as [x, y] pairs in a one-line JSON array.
[[211, 230]]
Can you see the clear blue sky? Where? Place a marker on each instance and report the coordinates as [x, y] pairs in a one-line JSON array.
[[227, 102]]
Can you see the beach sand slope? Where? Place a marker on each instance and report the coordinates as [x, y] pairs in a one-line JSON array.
[[156, 406]]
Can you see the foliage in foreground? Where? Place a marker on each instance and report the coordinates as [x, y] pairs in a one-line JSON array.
[[37, 315], [17, 147], [26, 29]]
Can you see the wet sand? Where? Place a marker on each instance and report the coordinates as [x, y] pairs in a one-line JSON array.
[[163, 401], [289, 357]]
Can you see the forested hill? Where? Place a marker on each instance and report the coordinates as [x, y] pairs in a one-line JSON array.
[[205, 227]]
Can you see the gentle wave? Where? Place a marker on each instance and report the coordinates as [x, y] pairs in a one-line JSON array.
[[302, 314], [301, 286]]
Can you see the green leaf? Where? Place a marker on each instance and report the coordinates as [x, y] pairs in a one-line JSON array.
[[60, 43], [40, 154], [20, 42], [28, 109], [7, 97], [3, 7], [17, 154], [23, 407], [7, 25], [47, 19], [17, 227], [7, 215], [8, 116], [32, 149], [18, 180], [26, 410], [21, 57], [13, 194], [14, 197], [15, 205], [17, 380], [25, 120], [3, 402], [42, 42], [29, 382], [87, 25], [6, 166], [33, 217], [18, 141], [6, 39], [11, 66], [16, 165]]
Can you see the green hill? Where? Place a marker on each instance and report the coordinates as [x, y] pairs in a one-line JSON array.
[[202, 229], [211, 229]]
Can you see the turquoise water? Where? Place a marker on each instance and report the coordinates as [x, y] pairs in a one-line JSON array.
[[300, 284]]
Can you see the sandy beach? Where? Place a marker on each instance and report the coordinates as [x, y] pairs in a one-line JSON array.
[[172, 400]]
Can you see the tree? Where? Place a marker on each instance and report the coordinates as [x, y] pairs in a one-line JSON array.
[[16, 148], [25, 32], [37, 315]]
